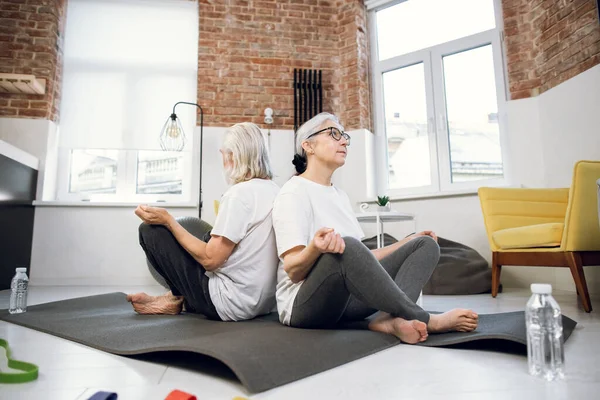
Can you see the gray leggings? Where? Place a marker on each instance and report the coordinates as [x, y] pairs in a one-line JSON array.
[[353, 285], [181, 272]]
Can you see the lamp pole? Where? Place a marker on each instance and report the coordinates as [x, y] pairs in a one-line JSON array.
[[173, 116]]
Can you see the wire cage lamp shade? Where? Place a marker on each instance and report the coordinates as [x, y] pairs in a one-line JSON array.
[[172, 135]]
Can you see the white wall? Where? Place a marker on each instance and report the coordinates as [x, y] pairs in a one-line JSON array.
[[570, 125], [524, 142], [86, 245]]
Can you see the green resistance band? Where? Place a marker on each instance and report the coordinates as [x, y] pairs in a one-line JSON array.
[[29, 371]]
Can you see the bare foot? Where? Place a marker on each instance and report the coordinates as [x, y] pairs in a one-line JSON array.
[[165, 304], [410, 332], [459, 320]]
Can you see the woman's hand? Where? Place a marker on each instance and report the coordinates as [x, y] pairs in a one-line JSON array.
[[327, 241], [298, 261], [424, 233], [154, 215]]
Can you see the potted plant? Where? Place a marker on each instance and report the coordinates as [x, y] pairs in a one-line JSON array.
[[383, 203]]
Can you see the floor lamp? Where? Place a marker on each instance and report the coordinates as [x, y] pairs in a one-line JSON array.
[[172, 138]]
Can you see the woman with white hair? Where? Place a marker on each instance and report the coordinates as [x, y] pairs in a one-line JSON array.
[[228, 274], [326, 275]]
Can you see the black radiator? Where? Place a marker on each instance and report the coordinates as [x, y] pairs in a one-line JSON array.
[[308, 95]]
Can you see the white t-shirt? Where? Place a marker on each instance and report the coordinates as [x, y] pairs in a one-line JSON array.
[[301, 208], [244, 286]]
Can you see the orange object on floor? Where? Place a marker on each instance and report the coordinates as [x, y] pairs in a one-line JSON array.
[[179, 395]]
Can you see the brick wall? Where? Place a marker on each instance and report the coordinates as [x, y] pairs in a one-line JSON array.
[[248, 50], [352, 81], [548, 42], [31, 37]]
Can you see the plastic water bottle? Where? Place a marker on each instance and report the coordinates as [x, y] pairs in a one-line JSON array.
[[18, 295], [545, 354]]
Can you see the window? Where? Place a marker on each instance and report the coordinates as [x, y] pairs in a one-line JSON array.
[[126, 64], [93, 171], [159, 172], [438, 92]]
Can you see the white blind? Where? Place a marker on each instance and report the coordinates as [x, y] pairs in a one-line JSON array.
[[126, 63]]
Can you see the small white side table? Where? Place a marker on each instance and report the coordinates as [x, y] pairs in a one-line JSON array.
[[379, 217]]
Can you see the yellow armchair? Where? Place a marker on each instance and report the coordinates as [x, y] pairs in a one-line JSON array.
[[546, 227]]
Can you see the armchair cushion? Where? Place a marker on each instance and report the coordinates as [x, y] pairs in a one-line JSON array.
[[540, 235]]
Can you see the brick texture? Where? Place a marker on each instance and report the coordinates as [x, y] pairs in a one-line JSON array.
[[548, 42], [248, 50], [31, 42], [352, 79]]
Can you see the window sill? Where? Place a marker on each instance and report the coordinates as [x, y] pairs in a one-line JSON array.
[[425, 196], [437, 195], [111, 204]]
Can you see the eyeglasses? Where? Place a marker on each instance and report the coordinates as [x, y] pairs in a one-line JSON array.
[[334, 133]]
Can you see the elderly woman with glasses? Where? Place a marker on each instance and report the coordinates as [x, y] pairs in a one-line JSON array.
[[326, 275], [227, 274]]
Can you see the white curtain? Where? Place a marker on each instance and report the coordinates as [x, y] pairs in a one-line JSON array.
[[126, 63]]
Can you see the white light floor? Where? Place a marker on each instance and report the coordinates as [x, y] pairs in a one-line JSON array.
[[70, 371]]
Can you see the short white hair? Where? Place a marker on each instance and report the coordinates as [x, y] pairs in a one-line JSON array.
[[311, 126], [247, 148]]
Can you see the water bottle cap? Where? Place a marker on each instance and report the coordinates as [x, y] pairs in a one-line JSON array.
[[541, 288], [21, 269]]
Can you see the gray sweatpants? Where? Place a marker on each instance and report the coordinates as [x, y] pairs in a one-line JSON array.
[[181, 272], [353, 285]]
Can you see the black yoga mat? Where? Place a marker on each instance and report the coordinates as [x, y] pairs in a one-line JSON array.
[[262, 353]]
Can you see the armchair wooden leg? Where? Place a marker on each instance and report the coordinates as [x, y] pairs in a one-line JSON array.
[[496, 270], [576, 267]]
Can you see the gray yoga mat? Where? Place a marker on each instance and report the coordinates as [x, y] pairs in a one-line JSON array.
[[262, 353]]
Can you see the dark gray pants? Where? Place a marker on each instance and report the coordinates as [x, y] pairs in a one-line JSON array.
[[181, 272], [351, 286]]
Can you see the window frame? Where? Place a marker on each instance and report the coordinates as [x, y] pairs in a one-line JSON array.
[[389, 65], [432, 59]]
